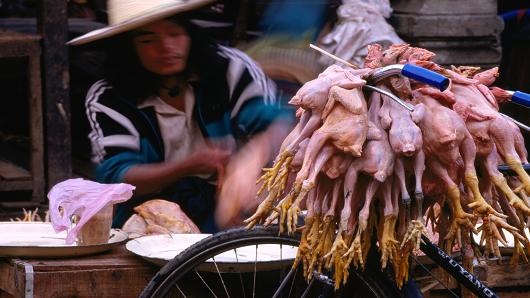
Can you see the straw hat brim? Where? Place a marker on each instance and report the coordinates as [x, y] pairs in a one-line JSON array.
[[161, 12]]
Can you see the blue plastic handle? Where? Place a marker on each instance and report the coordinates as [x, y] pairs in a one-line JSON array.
[[425, 76], [521, 98]]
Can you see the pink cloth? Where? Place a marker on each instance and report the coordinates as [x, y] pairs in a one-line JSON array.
[[83, 198]]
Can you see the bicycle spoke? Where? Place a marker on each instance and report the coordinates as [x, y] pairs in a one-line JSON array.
[[361, 277], [282, 270], [240, 275], [294, 278], [284, 282], [208, 253], [434, 276], [307, 289], [204, 282], [255, 264], [220, 277], [281, 261], [180, 290]]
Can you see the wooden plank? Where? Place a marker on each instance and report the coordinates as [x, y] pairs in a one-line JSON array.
[[8, 276], [127, 282], [16, 185], [119, 257], [10, 171], [507, 275], [14, 44], [36, 128], [17, 281], [29, 25], [117, 273], [5, 294], [22, 204], [491, 273], [53, 27], [512, 294]]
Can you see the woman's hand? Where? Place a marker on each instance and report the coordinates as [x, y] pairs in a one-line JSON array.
[[208, 160], [151, 178], [237, 191]]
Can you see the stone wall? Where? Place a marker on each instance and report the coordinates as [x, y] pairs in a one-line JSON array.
[[460, 32]]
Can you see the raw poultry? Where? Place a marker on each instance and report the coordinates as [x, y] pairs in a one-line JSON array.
[[158, 217], [355, 158]]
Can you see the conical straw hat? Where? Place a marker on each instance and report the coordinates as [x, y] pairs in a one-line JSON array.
[[125, 15]]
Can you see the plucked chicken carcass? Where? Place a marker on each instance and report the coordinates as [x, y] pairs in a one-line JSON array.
[[493, 135], [407, 142], [156, 217], [378, 163], [479, 98], [345, 128], [448, 148], [352, 167], [313, 98]]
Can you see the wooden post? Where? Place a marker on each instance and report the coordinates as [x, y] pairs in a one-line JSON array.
[[36, 129], [53, 27]]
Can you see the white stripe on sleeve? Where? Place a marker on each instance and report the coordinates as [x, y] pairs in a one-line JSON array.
[[126, 141]]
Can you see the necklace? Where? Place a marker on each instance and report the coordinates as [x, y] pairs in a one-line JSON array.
[[172, 91]]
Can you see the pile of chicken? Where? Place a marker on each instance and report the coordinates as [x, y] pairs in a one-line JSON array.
[[355, 158], [159, 217]]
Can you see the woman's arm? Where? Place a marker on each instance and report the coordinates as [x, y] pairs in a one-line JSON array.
[[151, 178], [238, 190]]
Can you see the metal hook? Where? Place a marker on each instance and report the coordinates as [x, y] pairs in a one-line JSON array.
[[392, 96]]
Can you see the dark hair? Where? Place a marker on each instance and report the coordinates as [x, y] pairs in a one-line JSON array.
[[125, 73]]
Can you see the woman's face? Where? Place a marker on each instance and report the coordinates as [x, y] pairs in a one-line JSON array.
[[162, 47]]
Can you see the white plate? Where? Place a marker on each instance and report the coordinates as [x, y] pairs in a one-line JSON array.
[[39, 240], [160, 249]]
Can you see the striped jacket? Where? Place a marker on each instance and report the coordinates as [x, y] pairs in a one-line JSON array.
[[123, 135]]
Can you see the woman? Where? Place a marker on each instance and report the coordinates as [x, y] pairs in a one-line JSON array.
[[179, 116]]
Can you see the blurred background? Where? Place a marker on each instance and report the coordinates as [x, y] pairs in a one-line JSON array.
[[276, 33]]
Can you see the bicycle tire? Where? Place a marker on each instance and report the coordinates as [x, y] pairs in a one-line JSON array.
[[164, 281]]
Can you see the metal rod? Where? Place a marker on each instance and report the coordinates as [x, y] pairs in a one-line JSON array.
[[306, 292], [284, 282], [456, 270], [392, 96], [333, 56], [438, 281], [376, 76], [384, 72], [521, 125]]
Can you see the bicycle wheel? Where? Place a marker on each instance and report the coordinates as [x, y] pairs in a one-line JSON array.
[[199, 271]]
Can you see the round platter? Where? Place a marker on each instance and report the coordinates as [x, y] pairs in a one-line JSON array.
[[160, 249], [39, 240]]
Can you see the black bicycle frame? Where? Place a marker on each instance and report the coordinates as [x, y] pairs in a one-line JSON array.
[[508, 171], [456, 270]]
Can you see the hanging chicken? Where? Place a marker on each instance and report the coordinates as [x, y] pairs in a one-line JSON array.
[[357, 157]]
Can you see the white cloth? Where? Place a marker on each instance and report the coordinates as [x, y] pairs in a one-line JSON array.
[[180, 132], [360, 23]]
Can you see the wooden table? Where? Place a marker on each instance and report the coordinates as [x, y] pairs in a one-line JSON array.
[[512, 281], [117, 273]]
